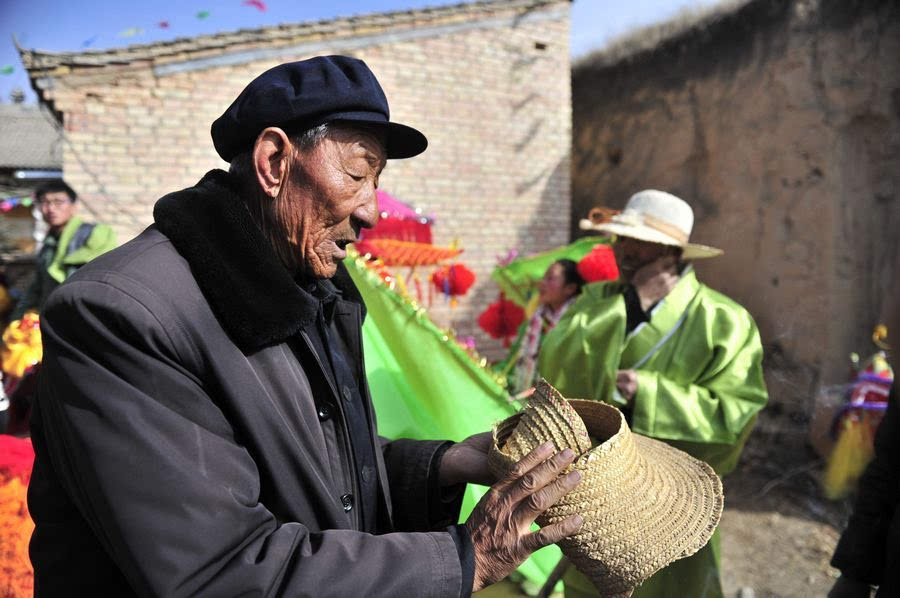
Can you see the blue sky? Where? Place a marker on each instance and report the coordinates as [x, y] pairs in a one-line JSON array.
[[77, 25]]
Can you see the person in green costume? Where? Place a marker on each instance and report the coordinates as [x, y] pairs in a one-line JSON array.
[[682, 361], [557, 291], [70, 243]]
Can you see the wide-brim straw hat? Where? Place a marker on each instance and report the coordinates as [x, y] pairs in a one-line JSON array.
[[656, 217], [645, 504]]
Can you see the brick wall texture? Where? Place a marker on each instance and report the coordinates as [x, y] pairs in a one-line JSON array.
[[489, 86]]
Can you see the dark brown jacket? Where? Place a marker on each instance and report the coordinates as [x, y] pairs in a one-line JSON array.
[[182, 442]]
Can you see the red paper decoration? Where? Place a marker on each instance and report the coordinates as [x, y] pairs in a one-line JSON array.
[[405, 253], [400, 229], [16, 458], [453, 280], [16, 527], [501, 319], [599, 264]]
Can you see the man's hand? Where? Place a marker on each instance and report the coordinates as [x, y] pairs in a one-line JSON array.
[[654, 281], [500, 525], [466, 462], [627, 383]]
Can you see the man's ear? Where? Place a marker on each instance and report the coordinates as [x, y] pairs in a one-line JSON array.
[[272, 154]]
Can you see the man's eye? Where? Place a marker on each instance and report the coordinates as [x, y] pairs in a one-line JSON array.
[[355, 177]]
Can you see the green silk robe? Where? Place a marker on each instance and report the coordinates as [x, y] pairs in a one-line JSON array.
[[700, 384]]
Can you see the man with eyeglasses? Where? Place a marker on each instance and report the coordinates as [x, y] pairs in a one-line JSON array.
[[70, 243]]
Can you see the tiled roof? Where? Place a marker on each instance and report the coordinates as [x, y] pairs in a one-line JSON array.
[[28, 139], [36, 60]]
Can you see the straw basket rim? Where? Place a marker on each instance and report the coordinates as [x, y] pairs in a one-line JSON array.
[[645, 504]]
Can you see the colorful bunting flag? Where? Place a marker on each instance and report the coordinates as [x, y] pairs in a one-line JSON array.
[[89, 42], [131, 32], [203, 14], [256, 4], [163, 24], [7, 69], [9, 203]]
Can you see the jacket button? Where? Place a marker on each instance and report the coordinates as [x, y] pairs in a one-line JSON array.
[[324, 413], [346, 391], [366, 474], [347, 501]]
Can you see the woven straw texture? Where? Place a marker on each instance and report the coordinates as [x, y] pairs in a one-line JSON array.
[[645, 504]]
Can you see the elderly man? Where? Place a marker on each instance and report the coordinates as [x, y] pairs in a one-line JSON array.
[[205, 425], [681, 360], [70, 243]]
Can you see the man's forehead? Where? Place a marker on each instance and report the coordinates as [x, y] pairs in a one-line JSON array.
[[363, 142]]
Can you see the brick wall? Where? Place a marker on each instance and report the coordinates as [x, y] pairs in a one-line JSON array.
[[490, 87]]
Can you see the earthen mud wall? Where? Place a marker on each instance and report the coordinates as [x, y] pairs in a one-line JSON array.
[[780, 123]]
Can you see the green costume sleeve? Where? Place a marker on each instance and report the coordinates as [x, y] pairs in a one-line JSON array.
[[581, 354], [702, 391], [716, 408]]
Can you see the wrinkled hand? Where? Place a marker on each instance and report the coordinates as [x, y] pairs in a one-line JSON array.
[[500, 525], [654, 281], [627, 383], [845, 587], [466, 462]]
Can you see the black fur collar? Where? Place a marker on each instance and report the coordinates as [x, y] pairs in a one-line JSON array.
[[249, 290]]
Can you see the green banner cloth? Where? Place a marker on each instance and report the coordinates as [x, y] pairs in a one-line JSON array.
[[426, 386], [518, 278]]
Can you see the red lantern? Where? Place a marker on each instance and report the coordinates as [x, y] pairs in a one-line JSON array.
[[501, 319], [453, 280], [599, 264]]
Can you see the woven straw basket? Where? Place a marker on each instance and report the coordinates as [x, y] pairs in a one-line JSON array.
[[645, 504]]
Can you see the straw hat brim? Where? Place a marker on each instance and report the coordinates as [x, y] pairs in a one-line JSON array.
[[645, 504], [691, 251]]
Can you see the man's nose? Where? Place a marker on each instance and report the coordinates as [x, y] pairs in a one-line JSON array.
[[367, 212]]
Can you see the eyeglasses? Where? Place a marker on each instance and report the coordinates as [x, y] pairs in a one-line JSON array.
[[56, 203]]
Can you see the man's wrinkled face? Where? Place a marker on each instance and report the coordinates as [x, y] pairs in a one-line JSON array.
[[632, 254], [331, 196], [56, 209]]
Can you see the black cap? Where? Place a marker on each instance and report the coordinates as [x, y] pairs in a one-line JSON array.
[[306, 94]]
